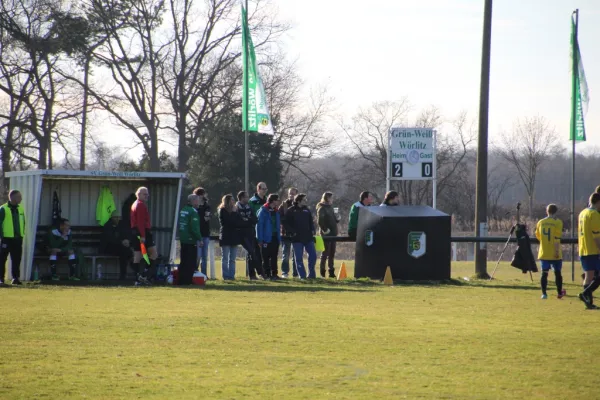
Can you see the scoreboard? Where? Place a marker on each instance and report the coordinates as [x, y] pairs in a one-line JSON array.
[[412, 154]]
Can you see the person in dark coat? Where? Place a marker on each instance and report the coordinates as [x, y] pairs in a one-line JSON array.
[[328, 219], [228, 235], [247, 236], [286, 245], [115, 242], [300, 227]]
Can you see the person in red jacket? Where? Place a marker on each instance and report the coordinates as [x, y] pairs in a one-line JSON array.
[[140, 226]]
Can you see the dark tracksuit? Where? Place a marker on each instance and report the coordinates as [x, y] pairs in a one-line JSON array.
[[64, 243], [112, 243], [256, 202], [247, 237], [12, 246], [300, 226]]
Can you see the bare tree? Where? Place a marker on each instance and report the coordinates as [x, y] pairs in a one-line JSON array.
[[132, 51], [531, 142], [300, 125], [36, 36], [369, 134]]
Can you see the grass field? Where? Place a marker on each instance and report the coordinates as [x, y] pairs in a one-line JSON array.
[[299, 340]]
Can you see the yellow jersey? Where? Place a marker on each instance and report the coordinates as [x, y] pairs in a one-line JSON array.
[[589, 229], [549, 231]]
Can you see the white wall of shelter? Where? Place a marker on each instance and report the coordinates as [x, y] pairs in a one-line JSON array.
[[78, 192]]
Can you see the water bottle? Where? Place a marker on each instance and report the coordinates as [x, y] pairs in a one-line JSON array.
[[99, 271], [36, 273]]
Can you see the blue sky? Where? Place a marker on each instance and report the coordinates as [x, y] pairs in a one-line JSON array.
[[430, 52]]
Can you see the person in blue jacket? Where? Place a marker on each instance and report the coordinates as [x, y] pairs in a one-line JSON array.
[[268, 235]]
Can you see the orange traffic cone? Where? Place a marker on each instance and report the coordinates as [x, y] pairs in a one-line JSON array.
[[387, 279], [342, 274]]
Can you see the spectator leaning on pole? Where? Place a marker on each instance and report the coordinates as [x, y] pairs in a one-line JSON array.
[[256, 202], [287, 243], [366, 198], [189, 237], [328, 219], [301, 228], [268, 235], [247, 236], [204, 212]]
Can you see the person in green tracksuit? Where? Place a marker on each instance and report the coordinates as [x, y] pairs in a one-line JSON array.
[[189, 238], [256, 202], [366, 198], [61, 243]]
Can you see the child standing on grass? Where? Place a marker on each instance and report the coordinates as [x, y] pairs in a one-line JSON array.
[[549, 232]]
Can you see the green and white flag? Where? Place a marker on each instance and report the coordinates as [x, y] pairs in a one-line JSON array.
[[255, 113], [580, 95]]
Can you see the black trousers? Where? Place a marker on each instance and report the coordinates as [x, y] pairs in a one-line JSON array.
[[269, 257], [14, 248], [125, 255], [188, 263], [253, 259], [328, 256]]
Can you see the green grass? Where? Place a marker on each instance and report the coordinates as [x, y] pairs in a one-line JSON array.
[[299, 340]]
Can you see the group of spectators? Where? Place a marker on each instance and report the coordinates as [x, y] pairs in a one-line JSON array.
[[262, 225]]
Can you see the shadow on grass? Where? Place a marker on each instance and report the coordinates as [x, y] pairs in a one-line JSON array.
[[285, 285]]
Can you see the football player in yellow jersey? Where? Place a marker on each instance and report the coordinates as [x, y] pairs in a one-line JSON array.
[[549, 231], [589, 248]]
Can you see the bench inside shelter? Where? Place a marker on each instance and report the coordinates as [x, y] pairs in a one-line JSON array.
[[86, 242]]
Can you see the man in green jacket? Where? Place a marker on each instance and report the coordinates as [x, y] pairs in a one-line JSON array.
[[12, 231], [366, 198], [189, 238], [61, 243]]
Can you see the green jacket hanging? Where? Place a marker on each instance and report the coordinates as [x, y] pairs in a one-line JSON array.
[[105, 206]]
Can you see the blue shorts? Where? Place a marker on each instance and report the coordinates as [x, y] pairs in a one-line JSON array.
[[590, 263], [556, 265]]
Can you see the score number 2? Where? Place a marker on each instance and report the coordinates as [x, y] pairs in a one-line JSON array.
[[397, 170]]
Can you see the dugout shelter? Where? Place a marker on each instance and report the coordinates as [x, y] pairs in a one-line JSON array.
[[78, 193]]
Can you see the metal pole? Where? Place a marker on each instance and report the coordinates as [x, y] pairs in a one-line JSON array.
[[85, 110], [389, 162], [246, 134], [573, 129], [482, 147], [434, 172]]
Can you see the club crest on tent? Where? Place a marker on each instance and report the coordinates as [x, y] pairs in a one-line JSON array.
[[417, 244], [369, 238]]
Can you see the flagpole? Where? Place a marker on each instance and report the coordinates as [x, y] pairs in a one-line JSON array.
[[246, 134], [573, 135]]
